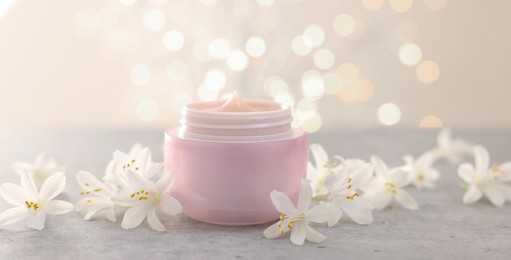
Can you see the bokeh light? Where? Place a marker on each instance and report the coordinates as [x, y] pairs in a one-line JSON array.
[[306, 104], [220, 48], [285, 98], [344, 24], [365, 89], [255, 47], [431, 122], [265, 3], [324, 59], [140, 74], [373, 5], [389, 114], [201, 51], [206, 94], [208, 2], [299, 47], [401, 6], [313, 36], [154, 20], [127, 2], [173, 40], [435, 5], [237, 60], [311, 121], [332, 82], [159, 2], [275, 86], [214, 80], [312, 85], [348, 71], [410, 54], [428, 71], [177, 70], [147, 110]]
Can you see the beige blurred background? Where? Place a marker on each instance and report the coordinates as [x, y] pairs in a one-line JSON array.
[[362, 64]]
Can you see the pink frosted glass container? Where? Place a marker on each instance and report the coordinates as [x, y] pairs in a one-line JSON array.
[[227, 163]]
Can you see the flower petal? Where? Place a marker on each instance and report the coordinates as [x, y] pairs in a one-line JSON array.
[[381, 200], [121, 157], [154, 222], [154, 168], [58, 207], [405, 199], [472, 195], [312, 172], [361, 176], [399, 177], [482, 159], [467, 172], [20, 167], [170, 205], [496, 197], [272, 231], [36, 220], [164, 184], [13, 215], [28, 184], [13, 194], [282, 203], [313, 236], [380, 168], [320, 155], [335, 215], [125, 200], [135, 215], [53, 186], [41, 159], [110, 214], [144, 159], [319, 214], [298, 233], [359, 211], [304, 196], [444, 137], [136, 181], [88, 181]]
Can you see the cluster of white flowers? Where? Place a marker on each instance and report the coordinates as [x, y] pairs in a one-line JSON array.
[[34, 199], [355, 188], [128, 187], [137, 188]]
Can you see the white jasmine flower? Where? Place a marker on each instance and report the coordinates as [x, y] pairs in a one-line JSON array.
[[99, 202], [33, 205], [422, 172], [344, 193], [138, 160], [143, 198], [388, 185], [40, 170], [318, 173], [483, 180], [451, 150], [296, 219]]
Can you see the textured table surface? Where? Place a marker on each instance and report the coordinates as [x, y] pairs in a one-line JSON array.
[[442, 227]]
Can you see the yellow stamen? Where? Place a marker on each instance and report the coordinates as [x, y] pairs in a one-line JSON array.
[[352, 196]]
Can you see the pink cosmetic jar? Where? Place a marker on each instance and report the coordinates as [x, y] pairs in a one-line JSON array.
[[227, 156]]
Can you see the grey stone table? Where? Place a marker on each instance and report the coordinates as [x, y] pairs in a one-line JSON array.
[[442, 227]]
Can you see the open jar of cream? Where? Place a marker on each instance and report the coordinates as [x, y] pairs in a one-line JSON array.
[[228, 155]]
